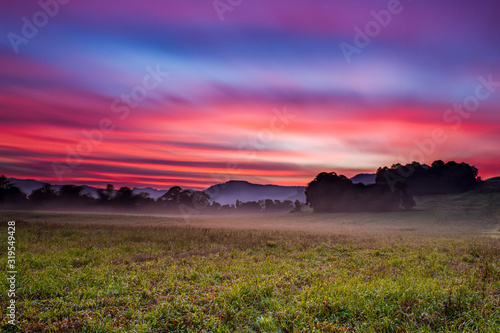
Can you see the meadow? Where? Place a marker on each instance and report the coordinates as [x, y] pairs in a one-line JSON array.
[[433, 269]]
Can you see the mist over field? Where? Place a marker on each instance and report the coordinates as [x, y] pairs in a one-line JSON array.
[[431, 269]]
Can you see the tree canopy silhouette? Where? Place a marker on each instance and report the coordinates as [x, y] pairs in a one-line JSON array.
[[329, 192], [45, 196], [11, 196], [106, 194], [439, 178]]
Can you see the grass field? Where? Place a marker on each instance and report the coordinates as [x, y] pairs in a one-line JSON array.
[[433, 269]]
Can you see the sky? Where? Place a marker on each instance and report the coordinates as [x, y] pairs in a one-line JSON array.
[[194, 93]]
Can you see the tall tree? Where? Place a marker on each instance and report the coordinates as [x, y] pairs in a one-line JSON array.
[[107, 194], [43, 197], [11, 196], [125, 197], [439, 178], [329, 192]]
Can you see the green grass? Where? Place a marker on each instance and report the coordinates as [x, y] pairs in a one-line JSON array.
[[111, 273]]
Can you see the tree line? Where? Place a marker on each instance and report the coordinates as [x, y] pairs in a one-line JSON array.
[[439, 178], [393, 190], [176, 200], [394, 187]]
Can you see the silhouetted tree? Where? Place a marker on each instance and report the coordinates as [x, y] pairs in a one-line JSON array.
[[297, 207], [215, 207], [144, 201], [228, 209], [106, 195], [284, 205], [187, 199], [71, 196], [173, 194], [201, 200], [5, 183], [250, 206], [438, 164], [11, 196], [406, 199], [194, 199], [171, 199], [329, 192], [70, 192], [269, 205], [45, 196], [439, 178], [125, 197]]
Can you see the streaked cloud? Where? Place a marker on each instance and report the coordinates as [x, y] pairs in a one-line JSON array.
[[225, 79]]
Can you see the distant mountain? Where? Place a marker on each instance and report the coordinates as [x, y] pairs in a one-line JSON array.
[[493, 180], [491, 184], [92, 191], [27, 185], [365, 178], [229, 192], [226, 193], [153, 193]]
